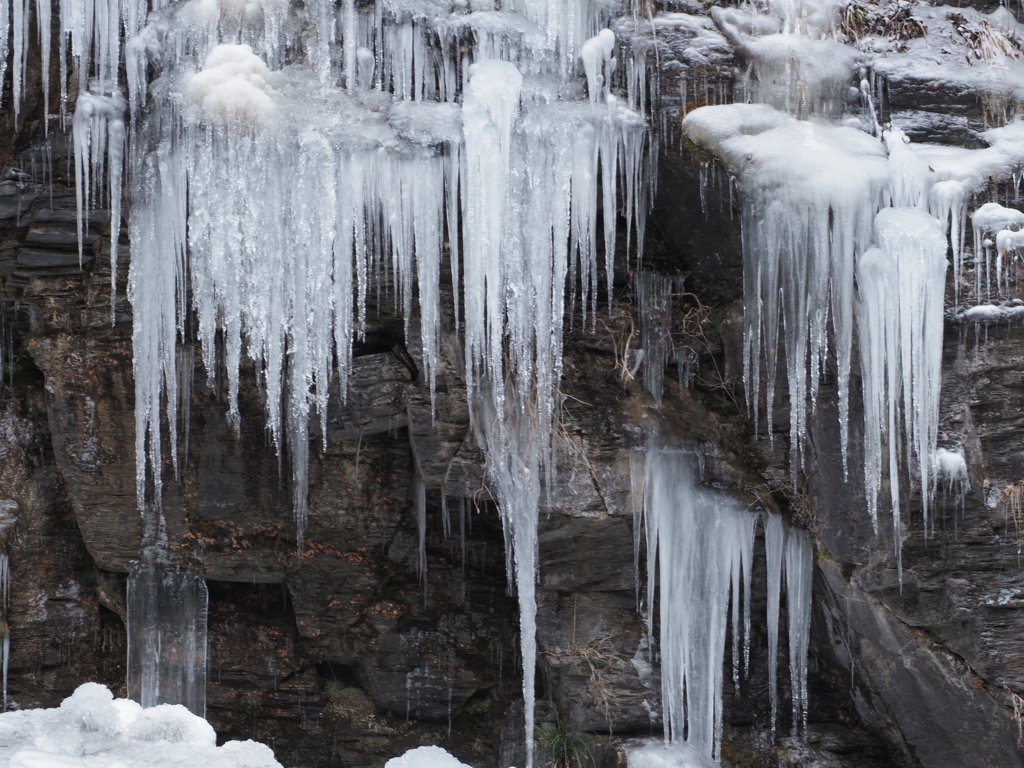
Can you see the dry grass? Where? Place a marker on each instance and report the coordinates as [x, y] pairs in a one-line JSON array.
[[1013, 497], [892, 21], [1018, 714], [984, 42], [594, 655]]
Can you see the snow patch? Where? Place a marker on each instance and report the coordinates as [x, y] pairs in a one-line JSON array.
[[425, 757], [233, 86], [93, 728]]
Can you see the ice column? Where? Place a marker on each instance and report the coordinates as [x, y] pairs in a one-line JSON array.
[[167, 636], [774, 543], [799, 572], [5, 32]]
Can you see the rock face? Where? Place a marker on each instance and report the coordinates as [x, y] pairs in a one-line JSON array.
[[345, 653]]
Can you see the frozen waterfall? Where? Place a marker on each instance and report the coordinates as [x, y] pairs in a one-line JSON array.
[[281, 182]]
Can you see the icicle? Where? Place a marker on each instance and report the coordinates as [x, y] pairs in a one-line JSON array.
[[799, 573], [654, 297], [43, 9], [419, 500], [947, 202], [636, 500], [6, 655], [901, 350], [880, 374], [740, 576], [98, 125], [918, 246], [5, 33], [774, 543], [20, 17]]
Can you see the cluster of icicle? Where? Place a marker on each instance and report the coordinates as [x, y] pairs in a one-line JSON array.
[[840, 230], [287, 168], [703, 543]]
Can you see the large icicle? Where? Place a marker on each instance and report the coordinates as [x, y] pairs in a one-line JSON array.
[[799, 573], [774, 544], [5, 33], [918, 245], [514, 422]]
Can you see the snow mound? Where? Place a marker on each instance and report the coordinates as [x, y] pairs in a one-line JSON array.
[[425, 757], [233, 86], [657, 754], [93, 728]]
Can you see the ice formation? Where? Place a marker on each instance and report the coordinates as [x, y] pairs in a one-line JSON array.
[[950, 468], [994, 227], [816, 222], [810, 198], [774, 543], [421, 127], [92, 728], [901, 346], [799, 575], [654, 297], [599, 62], [702, 543], [167, 636]]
